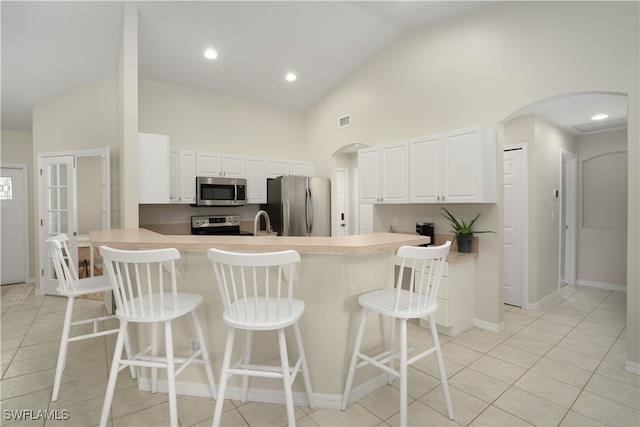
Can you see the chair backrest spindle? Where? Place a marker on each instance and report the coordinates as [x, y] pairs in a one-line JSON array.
[[429, 263], [138, 280], [258, 296]]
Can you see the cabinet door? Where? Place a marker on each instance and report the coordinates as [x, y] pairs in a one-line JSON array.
[[395, 173], [369, 176], [153, 168], [233, 166], [425, 182], [462, 166], [187, 176], [174, 176], [301, 169], [256, 171], [209, 164], [276, 168]]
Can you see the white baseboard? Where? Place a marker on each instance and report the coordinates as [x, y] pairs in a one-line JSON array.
[[632, 367], [322, 400], [488, 326], [600, 285], [536, 305]]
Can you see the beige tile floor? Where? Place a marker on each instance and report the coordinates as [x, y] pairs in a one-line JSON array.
[[561, 365]]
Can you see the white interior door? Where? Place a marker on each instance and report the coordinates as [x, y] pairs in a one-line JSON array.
[[13, 203], [58, 212], [515, 209], [341, 201]]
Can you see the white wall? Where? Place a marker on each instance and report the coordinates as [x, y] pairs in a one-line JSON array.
[[479, 69], [203, 121], [602, 231]]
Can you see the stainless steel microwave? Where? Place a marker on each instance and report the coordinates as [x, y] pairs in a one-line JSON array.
[[212, 191]]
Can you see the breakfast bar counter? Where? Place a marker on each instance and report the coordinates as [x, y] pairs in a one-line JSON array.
[[333, 272]]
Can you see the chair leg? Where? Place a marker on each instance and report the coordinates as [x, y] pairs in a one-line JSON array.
[[205, 353], [113, 375], [64, 345], [171, 374], [154, 352], [443, 374], [392, 339], [246, 360], [128, 348], [224, 377], [305, 369], [403, 372], [286, 378], [354, 359]]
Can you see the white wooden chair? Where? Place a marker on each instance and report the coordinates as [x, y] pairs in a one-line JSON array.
[[257, 293], [418, 301], [70, 286], [138, 280]]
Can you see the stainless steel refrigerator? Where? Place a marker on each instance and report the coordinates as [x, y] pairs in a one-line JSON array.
[[299, 206]]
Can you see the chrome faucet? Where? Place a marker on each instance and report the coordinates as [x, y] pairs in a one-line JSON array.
[[256, 221]]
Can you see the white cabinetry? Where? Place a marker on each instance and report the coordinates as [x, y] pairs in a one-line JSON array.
[[220, 165], [277, 167], [301, 169], [256, 168], [384, 173], [182, 176], [454, 167], [153, 168], [456, 298]]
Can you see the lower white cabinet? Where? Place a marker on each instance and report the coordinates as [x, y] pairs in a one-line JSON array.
[[456, 298]]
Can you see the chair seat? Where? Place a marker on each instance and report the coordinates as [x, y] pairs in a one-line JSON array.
[[87, 286], [383, 301], [257, 319], [186, 303]]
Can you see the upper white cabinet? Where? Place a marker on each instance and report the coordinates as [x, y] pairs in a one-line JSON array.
[[256, 168], [277, 167], [220, 165], [187, 177], [301, 168], [454, 167], [384, 173], [153, 168], [182, 171]]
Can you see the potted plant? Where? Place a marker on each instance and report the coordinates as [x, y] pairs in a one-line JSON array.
[[463, 231]]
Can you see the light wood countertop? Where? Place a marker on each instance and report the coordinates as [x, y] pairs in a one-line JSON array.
[[140, 238]]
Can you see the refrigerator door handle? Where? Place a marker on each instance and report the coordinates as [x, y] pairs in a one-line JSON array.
[[309, 210]]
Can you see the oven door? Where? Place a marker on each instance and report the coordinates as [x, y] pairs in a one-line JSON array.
[[219, 191]]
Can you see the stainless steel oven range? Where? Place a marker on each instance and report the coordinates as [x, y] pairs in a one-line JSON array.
[[220, 225]]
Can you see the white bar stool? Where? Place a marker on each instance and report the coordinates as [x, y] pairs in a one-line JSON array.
[[257, 293], [138, 280], [70, 286], [418, 301]]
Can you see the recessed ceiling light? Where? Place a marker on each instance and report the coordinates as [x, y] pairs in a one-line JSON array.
[[290, 77], [599, 117], [210, 54]]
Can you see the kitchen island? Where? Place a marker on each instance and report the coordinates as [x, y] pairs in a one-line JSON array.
[[334, 271]]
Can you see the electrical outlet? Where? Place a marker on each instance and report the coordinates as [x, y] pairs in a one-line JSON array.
[[161, 217], [194, 345], [394, 221]]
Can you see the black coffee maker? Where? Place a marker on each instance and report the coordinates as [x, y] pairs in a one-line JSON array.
[[426, 229]]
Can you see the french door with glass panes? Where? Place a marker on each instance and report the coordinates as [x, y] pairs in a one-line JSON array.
[[58, 208]]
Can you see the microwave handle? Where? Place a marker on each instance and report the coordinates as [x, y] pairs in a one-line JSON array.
[[235, 192]]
